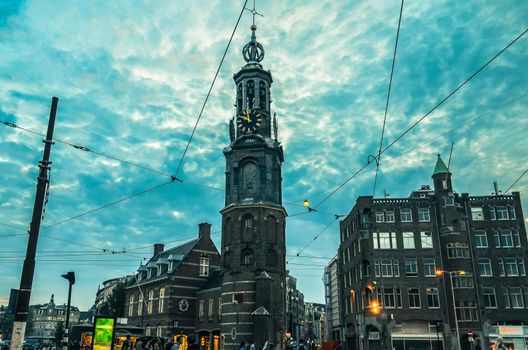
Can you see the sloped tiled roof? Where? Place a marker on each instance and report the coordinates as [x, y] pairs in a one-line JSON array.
[[176, 254]]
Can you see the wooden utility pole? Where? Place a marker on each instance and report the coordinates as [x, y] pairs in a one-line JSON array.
[[26, 281]]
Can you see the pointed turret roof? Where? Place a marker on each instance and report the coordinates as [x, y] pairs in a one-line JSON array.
[[440, 167]]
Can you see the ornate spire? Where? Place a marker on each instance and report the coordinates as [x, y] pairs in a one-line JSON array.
[[253, 51]]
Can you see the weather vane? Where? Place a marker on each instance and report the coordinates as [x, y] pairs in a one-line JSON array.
[[254, 12]]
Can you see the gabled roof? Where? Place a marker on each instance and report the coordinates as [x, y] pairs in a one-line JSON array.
[[440, 167], [176, 254]]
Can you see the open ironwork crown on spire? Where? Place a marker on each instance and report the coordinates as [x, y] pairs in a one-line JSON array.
[[253, 51]]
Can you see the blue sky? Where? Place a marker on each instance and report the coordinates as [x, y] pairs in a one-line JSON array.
[[132, 77]]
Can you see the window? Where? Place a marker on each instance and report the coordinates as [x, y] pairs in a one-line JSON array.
[[171, 265], [247, 257], [414, 298], [457, 250], [389, 300], [248, 221], [406, 215], [502, 269], [396, 266], [485, 267], [433, 299], [131, 306], [161, 300], [492, 213], [467, 311], [201, 311], [390, 216], [384, 240], [380, 216], [150, 301], [506, 297], [511, 211], [149, 273], [522, 268], [411, 268], [516, 298], [427, 239], [386, 268], [506, 239], [516, 238], [490, 299], [429, 267], [210, 309], [140, 304], [449, 201], [408, 240], [204, 266], [159, 270], [477, 214], [502, 213], [481, 240], [511, 267], [463, 282], [423, 215]]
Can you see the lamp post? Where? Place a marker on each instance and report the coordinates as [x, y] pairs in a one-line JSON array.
[[70, 276], [439, 273]]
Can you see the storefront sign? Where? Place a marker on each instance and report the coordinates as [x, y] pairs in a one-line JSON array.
[[510, 330]]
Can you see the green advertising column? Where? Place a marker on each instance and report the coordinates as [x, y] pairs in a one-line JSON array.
[[103, 333]]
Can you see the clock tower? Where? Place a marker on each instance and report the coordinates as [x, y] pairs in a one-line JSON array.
[[253, 219]]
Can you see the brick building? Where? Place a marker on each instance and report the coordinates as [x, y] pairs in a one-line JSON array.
[[404, 262]]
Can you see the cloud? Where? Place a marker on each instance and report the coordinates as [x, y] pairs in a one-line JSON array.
[[132, 82]]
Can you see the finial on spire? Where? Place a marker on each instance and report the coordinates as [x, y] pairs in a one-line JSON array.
[[253, 51]]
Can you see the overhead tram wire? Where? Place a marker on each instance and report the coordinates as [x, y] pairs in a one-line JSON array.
[[513, 184], [387, 103], [309, 243], [371, 159], [124, 161], [210, 89], [455, 90]]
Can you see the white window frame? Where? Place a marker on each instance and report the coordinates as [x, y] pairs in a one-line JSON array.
[[414, 266], [408, 240], [161, 300], [488, 293], [150, 301], [210, 309], [131, 306], [204, 266], [389, 216], [380, 216], [409, 298], [424, 215], [426, 239], [487, 262], [435, 296], [502, 213], [403, 215], [201, 311], [480, 234], [427, 269]]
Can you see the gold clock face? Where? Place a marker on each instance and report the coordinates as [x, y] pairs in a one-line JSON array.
[[249, 120]]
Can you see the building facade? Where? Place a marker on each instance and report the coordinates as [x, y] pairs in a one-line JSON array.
[[294, 309], [104, 291], [253, 219], [435, 270], [45, 318], [332, 300], [162, 296], [314, 324]]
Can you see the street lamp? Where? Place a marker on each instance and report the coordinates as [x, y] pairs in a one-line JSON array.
[[70, 276], [439, 273]]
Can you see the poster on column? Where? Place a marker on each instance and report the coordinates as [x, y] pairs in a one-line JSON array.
[[103, 333]]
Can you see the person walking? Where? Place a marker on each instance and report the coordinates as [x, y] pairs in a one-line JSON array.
[[176, 345], [191, 341], [242, 346], [301, 345]]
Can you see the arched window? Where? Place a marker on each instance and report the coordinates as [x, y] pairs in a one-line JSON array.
[[271, 229], [239, 99], [250, 93], [227, 259], [271, 258], [262, 96], [228, 230], [247, 257], [248, 183], [248, 224]]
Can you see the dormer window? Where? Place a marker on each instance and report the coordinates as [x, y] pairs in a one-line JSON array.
[[159, 270], [171, 265], [149, 273]]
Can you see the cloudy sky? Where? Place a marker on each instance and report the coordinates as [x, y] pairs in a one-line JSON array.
[[132, 77]]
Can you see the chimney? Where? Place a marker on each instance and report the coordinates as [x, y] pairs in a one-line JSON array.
[[204, 230], [158, 248]]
